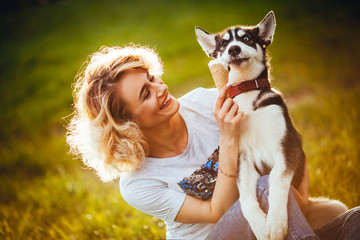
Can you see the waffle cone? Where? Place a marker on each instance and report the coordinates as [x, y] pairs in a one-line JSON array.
[[219, 73]]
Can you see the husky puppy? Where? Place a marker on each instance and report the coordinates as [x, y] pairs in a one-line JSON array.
[[269, 143]]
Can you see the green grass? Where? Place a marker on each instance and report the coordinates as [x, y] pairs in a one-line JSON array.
[[46, 194]]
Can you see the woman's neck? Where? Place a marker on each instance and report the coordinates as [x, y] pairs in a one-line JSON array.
[[168, 139]]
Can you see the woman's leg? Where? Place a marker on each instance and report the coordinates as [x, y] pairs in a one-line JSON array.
[[345, 226], [233, 225]]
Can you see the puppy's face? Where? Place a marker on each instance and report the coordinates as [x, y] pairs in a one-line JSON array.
[[239, 46]]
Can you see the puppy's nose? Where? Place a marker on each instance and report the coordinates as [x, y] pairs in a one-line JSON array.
[[234, 50]]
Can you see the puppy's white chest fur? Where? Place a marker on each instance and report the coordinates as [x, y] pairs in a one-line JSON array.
[[262, 130]]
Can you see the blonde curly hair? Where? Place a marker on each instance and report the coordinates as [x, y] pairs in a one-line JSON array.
[[101, 132]]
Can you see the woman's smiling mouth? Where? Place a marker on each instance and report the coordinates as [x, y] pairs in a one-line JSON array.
[[166, 102]]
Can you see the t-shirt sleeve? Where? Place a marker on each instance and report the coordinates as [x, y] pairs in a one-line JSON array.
[[209, 96], [200, 100], [152, 197]]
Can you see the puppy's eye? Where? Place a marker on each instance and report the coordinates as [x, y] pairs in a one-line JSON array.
[[246, 38], [224, 42]]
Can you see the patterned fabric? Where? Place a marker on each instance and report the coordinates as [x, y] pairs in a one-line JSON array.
[[201, 183]]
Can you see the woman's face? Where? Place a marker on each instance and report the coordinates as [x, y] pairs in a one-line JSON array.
[[146, 98]]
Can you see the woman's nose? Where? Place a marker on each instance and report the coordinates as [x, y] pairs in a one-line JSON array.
[[161, 89]]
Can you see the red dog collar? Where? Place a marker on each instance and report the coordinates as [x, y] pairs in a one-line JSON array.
[[248, 86]]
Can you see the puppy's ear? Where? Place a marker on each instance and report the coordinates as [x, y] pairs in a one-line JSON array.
[[267, 28], [206, 40]]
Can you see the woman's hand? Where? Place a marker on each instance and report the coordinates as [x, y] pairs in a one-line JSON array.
[[227, 116]]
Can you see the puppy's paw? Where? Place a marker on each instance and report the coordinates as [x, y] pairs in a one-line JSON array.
[[276, 226], [259, 226]]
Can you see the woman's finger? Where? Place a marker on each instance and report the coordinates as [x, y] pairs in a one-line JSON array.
[[221, 97], [227, 105], [234, 108], [238, 116], [225, 108]]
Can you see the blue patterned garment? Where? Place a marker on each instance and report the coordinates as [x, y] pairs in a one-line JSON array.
[[201, 183]]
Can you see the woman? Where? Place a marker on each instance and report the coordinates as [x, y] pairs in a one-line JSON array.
[[127, 124]]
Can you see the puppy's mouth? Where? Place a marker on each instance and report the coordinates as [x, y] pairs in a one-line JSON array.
[[238, 61]]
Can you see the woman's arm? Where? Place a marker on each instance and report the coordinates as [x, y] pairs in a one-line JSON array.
[[226, 192], [302, 192]]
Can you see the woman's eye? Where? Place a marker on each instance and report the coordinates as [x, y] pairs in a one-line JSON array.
[[246, 39], [151, 79], [147, 94]]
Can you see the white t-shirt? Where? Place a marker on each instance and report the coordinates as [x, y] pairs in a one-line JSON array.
[[153, 188]]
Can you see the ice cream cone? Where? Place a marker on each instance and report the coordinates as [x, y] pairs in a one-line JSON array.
[[219, 71]]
